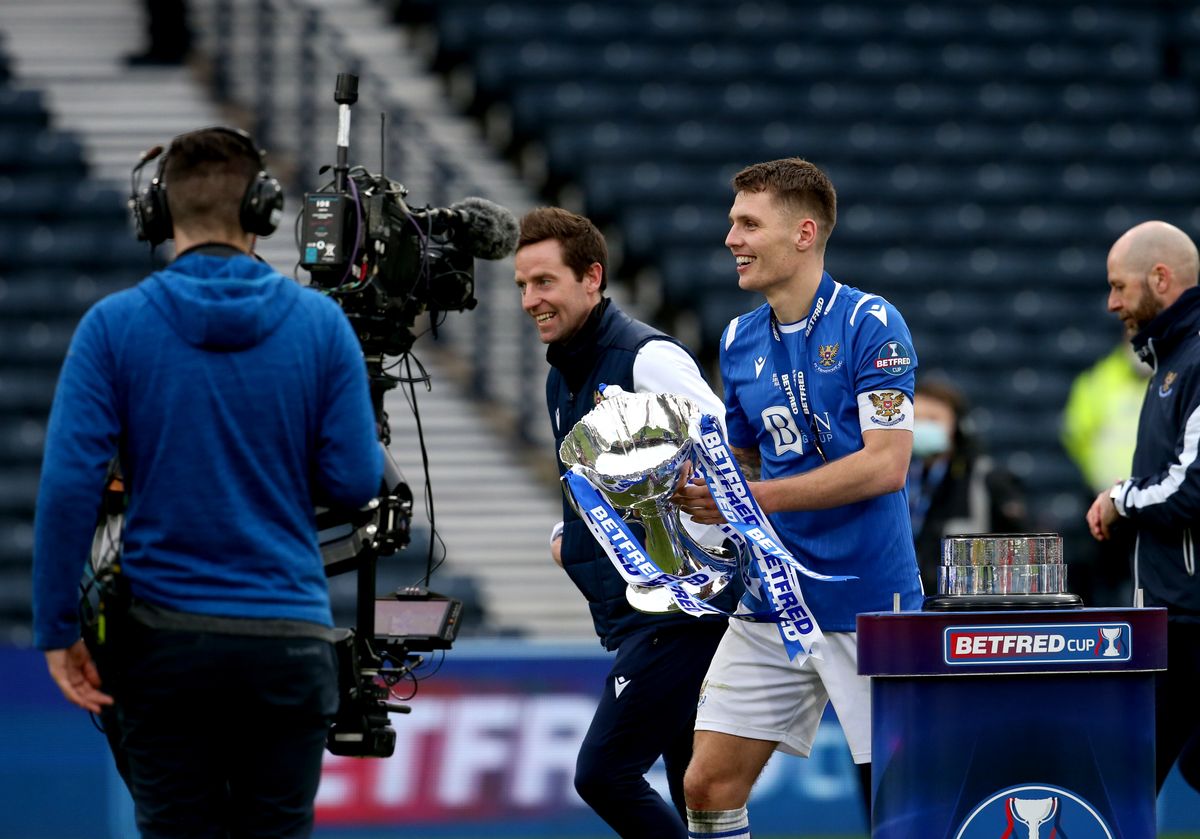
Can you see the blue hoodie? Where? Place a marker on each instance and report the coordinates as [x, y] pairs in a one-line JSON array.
[[236, 400]]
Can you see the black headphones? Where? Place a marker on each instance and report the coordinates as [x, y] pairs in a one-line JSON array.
[[261, 208]]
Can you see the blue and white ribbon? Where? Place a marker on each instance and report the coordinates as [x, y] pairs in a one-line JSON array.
[[633, 564], [769, 569]]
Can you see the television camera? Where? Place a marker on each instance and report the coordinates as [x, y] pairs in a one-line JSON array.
[[385, 264]]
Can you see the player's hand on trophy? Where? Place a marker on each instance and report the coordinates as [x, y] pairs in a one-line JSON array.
[[693, 497]]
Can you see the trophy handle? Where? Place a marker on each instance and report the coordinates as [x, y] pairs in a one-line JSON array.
[[722, 558], [570, 496]]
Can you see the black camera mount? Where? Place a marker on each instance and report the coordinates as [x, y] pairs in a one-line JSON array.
[[384, 264]]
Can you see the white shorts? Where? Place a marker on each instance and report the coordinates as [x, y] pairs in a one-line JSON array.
[[753, 690]]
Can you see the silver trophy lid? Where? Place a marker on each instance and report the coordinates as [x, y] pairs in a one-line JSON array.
[[1002, 579]]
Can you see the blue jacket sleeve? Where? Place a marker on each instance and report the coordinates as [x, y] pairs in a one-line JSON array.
[[349, 454], [1170, 498], [81, 439]]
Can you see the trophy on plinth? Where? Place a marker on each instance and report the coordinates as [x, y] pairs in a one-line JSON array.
[[1002, 571]]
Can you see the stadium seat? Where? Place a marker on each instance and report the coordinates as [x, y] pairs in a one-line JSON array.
[[47, 151], [21, 109], [697, 272], [18, 492], [986, 156]]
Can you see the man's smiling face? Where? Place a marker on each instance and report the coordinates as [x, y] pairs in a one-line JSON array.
[[762, 240], [557, 300]]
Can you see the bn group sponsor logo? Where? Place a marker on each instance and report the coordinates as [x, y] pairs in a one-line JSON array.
[[1034, 810], [1095, 643]]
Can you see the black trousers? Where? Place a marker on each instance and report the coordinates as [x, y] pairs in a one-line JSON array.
[[1176, 716], [647, 710], [220, 735]]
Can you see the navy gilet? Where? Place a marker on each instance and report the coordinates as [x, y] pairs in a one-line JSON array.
[[602, 352]]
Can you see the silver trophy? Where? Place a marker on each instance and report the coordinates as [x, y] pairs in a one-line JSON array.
[[634, 448], [1012, 570], [1002, 563]]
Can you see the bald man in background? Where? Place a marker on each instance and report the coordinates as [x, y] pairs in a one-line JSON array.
[[1152, 273]]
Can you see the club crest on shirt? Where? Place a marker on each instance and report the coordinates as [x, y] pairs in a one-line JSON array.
[[1168, 383], [887, 407], [827, 358]]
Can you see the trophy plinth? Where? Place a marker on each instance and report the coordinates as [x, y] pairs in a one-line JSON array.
[[984, 571]]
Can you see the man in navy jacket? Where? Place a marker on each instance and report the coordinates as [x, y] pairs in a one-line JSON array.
[[1152, 275], [235, 400], [649, 699]]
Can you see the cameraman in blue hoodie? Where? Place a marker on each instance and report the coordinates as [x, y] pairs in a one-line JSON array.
[[235, 400]]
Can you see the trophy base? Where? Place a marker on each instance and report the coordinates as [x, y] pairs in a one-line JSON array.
[[657, 600], [1000, 602]]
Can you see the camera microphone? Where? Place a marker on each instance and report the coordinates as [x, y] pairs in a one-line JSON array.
[[493, 229]]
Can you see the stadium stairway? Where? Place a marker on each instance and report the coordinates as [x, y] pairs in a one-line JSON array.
[[494, 507]]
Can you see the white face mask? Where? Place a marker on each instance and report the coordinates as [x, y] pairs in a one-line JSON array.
[[929, 439]]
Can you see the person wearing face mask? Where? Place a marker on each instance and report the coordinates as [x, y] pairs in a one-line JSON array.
[[953, 487]]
